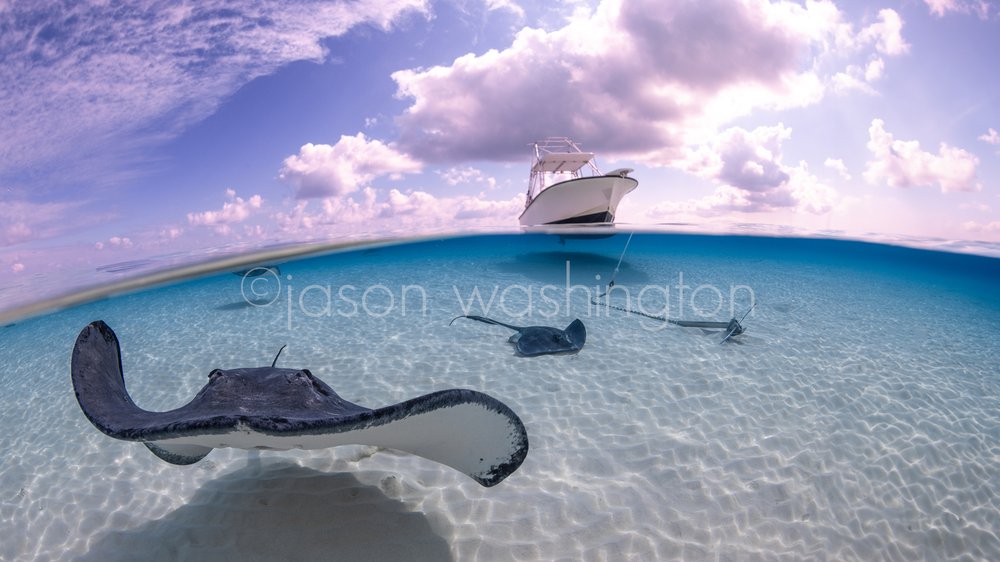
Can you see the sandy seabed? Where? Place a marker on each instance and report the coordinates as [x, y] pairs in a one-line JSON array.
[[857, 419]]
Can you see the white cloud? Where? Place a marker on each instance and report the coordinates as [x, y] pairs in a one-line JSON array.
[[17, 267], [838, 166], [120, 241], [901, 163], [988, 227], [81, 80], [980, 8], [851, 80], [467, 175], [508, 5], [874, 69], [754, 178], [171, 233], [991, 136], [856, 78], [413, 210], [322, 170], [887, 33], [631, 78], [234, 211]]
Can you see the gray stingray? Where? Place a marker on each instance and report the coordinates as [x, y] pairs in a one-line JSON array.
[[733, 328], [541, 340], [274, 408]]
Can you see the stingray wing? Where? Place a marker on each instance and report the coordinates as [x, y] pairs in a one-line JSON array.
[[96, 368]]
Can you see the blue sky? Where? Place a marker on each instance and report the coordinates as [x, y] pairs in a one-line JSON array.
[[152, 128]]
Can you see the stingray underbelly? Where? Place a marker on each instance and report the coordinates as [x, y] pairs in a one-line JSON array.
[[472, 437]]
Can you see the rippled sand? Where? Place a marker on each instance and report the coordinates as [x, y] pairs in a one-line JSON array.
[[858, 418]]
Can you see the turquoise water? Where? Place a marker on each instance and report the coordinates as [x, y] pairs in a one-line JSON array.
[[858, 416]]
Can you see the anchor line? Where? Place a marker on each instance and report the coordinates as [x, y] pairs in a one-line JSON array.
[[596, 300]]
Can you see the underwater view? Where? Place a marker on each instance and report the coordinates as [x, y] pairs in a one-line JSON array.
[[495, 280], [855, 413]]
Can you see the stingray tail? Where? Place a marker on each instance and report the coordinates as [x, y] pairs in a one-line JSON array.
[[699, 324], [487, 321]]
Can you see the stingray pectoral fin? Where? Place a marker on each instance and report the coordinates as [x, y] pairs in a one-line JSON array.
[[96, 369], [469, 431], [577, 333], [179, 454]]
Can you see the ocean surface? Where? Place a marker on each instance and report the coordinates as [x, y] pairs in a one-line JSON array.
[[857, 418]]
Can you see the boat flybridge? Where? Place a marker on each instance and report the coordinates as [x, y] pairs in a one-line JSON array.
[[560, 193]]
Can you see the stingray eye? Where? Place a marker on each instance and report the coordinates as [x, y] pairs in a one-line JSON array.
[[214, 373]]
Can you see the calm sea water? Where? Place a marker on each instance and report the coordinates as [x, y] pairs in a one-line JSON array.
[[857, 417]]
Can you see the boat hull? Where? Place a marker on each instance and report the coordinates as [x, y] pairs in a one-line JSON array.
[[589, 200]]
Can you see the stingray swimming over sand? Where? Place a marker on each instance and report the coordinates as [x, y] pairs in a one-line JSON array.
[[732, 328], [275, 408], [530, 341]]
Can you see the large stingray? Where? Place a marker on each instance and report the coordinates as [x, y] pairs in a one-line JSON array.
[[274, 408], [541, 340]]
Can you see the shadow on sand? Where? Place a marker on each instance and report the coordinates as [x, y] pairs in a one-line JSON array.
[[243, 305], [281, 512]]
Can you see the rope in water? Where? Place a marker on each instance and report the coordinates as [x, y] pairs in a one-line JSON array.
[[596, 300]]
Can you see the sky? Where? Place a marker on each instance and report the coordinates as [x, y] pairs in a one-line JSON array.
[[139, 129]]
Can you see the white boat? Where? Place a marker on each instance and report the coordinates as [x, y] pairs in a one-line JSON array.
[[559, 193]]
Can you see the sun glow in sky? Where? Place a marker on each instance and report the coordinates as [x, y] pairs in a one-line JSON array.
[[149, 128]]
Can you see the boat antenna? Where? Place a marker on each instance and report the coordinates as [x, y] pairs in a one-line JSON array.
[[275, 362]]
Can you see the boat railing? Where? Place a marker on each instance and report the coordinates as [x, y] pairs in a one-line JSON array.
[[557, 159]]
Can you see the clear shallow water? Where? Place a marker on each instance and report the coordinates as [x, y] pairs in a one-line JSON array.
[[858, 417]]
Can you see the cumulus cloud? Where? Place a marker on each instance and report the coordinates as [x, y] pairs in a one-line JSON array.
[[466, 175], [233, 211], [80, 78], [900, 163], [754, 178], [837, 165], [991, 136], [506, 5], [322, 170], [887, 33], [17, 267], [633, 77]]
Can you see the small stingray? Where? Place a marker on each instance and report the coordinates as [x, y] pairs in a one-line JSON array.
[[541, 340], [281, 409], [733, 328]]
